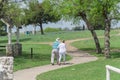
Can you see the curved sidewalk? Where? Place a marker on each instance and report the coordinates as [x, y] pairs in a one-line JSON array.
[[30, 74], [78, 58]]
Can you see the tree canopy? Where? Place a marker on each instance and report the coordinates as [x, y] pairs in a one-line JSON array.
[[37, 13]]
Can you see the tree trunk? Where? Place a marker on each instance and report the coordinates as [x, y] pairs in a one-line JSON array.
[[107, 39], [9, 35], [17, 35], [96, 40], [9, 30], [107, 30], [17, 47], [34, 29], [83, 27], [41, 28], [9, 46]]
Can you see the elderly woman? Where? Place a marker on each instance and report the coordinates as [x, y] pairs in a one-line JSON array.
[[62, 51]]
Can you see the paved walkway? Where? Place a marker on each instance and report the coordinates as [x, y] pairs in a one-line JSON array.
[[78, 57]]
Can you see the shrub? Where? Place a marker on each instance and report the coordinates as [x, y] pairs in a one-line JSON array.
[[3, 33], [52, 29], [77, 28]]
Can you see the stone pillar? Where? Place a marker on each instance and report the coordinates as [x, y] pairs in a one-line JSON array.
[[1, 75], [17, 49], [7, 67], [9, 50]]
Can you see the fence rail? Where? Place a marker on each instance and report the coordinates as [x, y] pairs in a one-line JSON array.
[[108, 68]]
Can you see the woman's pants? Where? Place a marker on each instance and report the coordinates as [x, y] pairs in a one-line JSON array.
[[62, 54]]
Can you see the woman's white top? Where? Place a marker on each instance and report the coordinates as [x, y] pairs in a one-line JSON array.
[[62, 47]]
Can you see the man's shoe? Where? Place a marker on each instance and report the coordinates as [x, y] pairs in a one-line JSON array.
[[52, 63], [59, 64]]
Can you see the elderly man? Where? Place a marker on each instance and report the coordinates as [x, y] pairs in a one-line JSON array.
[[55, 51]]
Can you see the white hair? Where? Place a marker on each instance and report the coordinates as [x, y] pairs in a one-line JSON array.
[[57, 39]]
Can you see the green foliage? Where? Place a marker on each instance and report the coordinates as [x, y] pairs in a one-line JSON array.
[[13, 13], [49, 8], [98, 27], [3, 33], [32, 12], [77, 28], [38, 13], [48, 29], [2, 29], [92, 9]]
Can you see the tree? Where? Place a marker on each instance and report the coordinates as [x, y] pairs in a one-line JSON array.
[[92, 12], [109, 10], [37, 13], [106, 11], [10, 12], [31, 11], [18, 19], [77, 9]]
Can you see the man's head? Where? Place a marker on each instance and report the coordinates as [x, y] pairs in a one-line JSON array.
[[57, 39]]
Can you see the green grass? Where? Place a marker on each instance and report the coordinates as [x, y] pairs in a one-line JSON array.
[[42, 52], [88, 71], [41, 56], [51, 36]]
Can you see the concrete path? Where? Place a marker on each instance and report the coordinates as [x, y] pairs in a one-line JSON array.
[[78, 58]]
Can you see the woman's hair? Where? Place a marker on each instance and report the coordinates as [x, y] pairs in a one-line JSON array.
[[63, 41]]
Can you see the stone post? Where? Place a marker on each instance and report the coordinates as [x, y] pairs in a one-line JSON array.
[[1, 75], [7, 68], [17, 49]]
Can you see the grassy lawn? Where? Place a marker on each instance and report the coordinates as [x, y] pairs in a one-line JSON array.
[[41, 56], [88, 71], [41, 52], [51, 36]]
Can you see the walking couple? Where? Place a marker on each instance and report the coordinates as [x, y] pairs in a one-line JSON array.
[[58, 51]]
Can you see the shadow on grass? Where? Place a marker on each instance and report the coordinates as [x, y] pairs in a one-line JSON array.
[[26, 39], [2, 52], [92, 51], [87, 49], [36, 56], [115, 54], [14, 40]]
